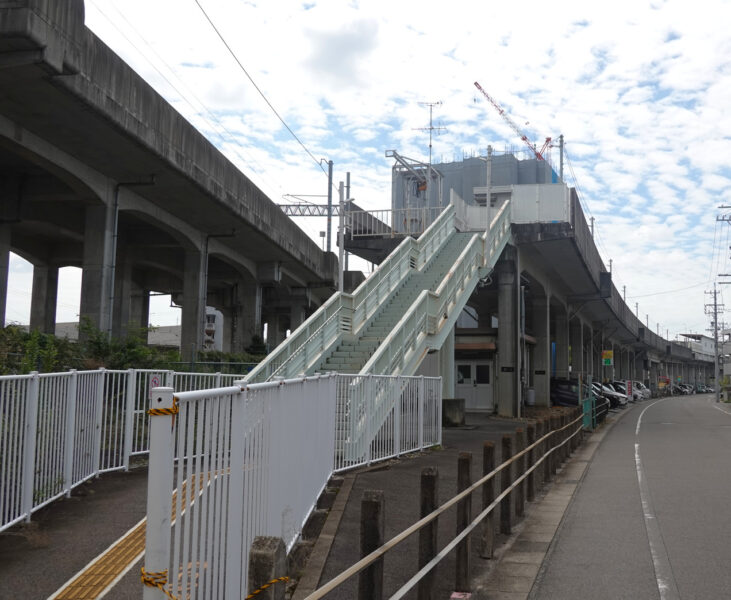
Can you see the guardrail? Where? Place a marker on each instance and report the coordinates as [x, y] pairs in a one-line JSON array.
[[252, 460], [58, 430], [554, 447], [346, 314], [391, 222]]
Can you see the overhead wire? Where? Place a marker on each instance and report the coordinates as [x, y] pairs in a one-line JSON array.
[[261, 93], [237, 148]]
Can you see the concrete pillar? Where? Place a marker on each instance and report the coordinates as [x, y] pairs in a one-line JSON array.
[[4, 267], [122, 308], [508, 390], [276, 330], [542, 351], [577, 348], [562, 343], [96, 267], [139, 312], [299, 302], [194, 303], [43, 299], [242, 317], [446, 365]]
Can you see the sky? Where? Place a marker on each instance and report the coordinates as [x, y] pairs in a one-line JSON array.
[[640, 90]]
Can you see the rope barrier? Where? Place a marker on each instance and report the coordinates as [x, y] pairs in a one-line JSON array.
[[156, 412], [267, 585], [158, 580]]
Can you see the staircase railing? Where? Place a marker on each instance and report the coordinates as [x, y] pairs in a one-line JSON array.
[[346, 314], [401, 352], [426, 324]]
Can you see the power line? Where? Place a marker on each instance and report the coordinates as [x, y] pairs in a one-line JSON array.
[[695, 285], [218, 125], [269, 104]]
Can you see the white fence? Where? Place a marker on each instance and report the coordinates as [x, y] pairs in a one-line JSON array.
[[59, 429], [253, 459], [391, 222]]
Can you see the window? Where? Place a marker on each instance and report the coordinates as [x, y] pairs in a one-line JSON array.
[[464, 373], [482, 374]]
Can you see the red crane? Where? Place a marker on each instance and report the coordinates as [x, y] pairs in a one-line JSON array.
[[521, 135]]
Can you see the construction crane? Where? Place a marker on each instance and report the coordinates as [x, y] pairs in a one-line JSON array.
[[521, 135]]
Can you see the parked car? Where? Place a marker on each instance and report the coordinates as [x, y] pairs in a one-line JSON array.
[[687, 388], [621, 387], [641, 386], [615, 398], [565, 392]]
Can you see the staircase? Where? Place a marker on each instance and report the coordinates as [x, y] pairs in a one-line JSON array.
[[404, 309], [351, 355]]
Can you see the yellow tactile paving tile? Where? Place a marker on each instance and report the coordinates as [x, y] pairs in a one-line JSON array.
[[114, 562]]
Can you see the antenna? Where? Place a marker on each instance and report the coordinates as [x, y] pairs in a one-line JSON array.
[[430, 129]]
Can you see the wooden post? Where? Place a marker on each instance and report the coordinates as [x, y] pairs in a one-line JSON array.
[[548, 462], [519, 470], [464, 512], [487, 540], [505, 481], [555, 426], [540, 431], [372, 526], [429, 501], [531, 479]]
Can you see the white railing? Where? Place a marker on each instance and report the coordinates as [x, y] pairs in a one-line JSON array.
[[252, 460], [424, 324], [405, 414], [59, 429], [346, 314], [391, 222]]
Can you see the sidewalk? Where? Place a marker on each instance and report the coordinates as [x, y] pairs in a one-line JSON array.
[[400, 482]]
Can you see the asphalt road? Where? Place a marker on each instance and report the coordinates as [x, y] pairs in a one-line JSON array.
[[650, 519]]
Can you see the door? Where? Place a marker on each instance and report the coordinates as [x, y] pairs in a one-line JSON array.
[[474, 383]]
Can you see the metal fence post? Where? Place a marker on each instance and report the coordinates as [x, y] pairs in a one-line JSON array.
[[421, 412], [129, 415], [464, 512], [369, 404], [68, 451], [98, 414], [29, 446], [396, 391], [159, 490]]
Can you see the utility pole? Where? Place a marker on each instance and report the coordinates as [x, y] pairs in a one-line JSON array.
[[592, 226], [713, 309], [329, 203]]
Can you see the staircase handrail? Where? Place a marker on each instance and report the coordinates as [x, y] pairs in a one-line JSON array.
[[351, 311], [425, 316], [369, 295]]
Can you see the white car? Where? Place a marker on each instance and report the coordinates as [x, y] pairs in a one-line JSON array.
[[641, 387]]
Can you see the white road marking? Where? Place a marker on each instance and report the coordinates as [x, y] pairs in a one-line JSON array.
[[719, 408], [666, 585]]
